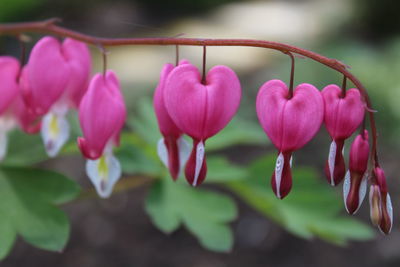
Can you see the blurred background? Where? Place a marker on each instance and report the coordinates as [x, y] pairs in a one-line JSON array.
[[363, 34]]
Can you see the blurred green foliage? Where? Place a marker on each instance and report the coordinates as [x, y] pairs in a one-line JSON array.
[[27, 207]]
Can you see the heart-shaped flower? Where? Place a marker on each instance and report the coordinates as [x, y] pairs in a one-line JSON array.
[[58, 75], [172, 149], [102, 114], [342, 117], [290, 123], [201, 109]]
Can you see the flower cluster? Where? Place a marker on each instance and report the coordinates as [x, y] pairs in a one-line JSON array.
[[186, 104], [37, 97]]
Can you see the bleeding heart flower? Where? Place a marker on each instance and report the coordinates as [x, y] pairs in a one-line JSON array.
[[57, 75], [201, 109], [102, 114], [290, 123], [48, 75], [342, 117], [355, 182], [9, 73], [172, 149], [381, 210]]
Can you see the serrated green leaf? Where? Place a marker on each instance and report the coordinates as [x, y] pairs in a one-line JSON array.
[[204, 213], [27, 204], [311, 209]]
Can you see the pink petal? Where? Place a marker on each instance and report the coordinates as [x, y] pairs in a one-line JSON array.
[[78, 58], [289, 123], [9, 72], [342, 115], [359, 153], [102, 114], [48, 74], [202, 110], [165, 123]]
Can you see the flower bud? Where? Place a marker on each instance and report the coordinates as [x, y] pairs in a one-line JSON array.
[[380, 203], [355, 183]]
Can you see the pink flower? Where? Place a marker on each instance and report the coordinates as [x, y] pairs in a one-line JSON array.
[[48, 75], [102, 114], [355, 183], [57, 77], [172, 149], [381, 210], [290, 123], [201, 110], [342, 117]]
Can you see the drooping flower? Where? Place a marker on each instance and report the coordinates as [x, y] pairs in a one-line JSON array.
[[172, 149], [355, 182], [290, 123], [342, 117], [381, 210], [201, 109], [57, 75], [9, 89], [102, 114]]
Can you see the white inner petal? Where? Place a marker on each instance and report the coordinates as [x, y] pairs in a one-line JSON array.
[[104, 173], [199, 161], [389, 210], [346, 188], [363, 190], [184, 152], [331, 161], [162, 152], [54, 132], [278, 173], [3, 144]]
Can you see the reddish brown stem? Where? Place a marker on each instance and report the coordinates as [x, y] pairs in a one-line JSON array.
[[49, 27]]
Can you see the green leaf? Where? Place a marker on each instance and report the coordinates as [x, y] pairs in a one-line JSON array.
[[144, 123], [238, 132], [204, 213], [220, 170], [311, 209], [24, 149], [27, 205], [135, 157]]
